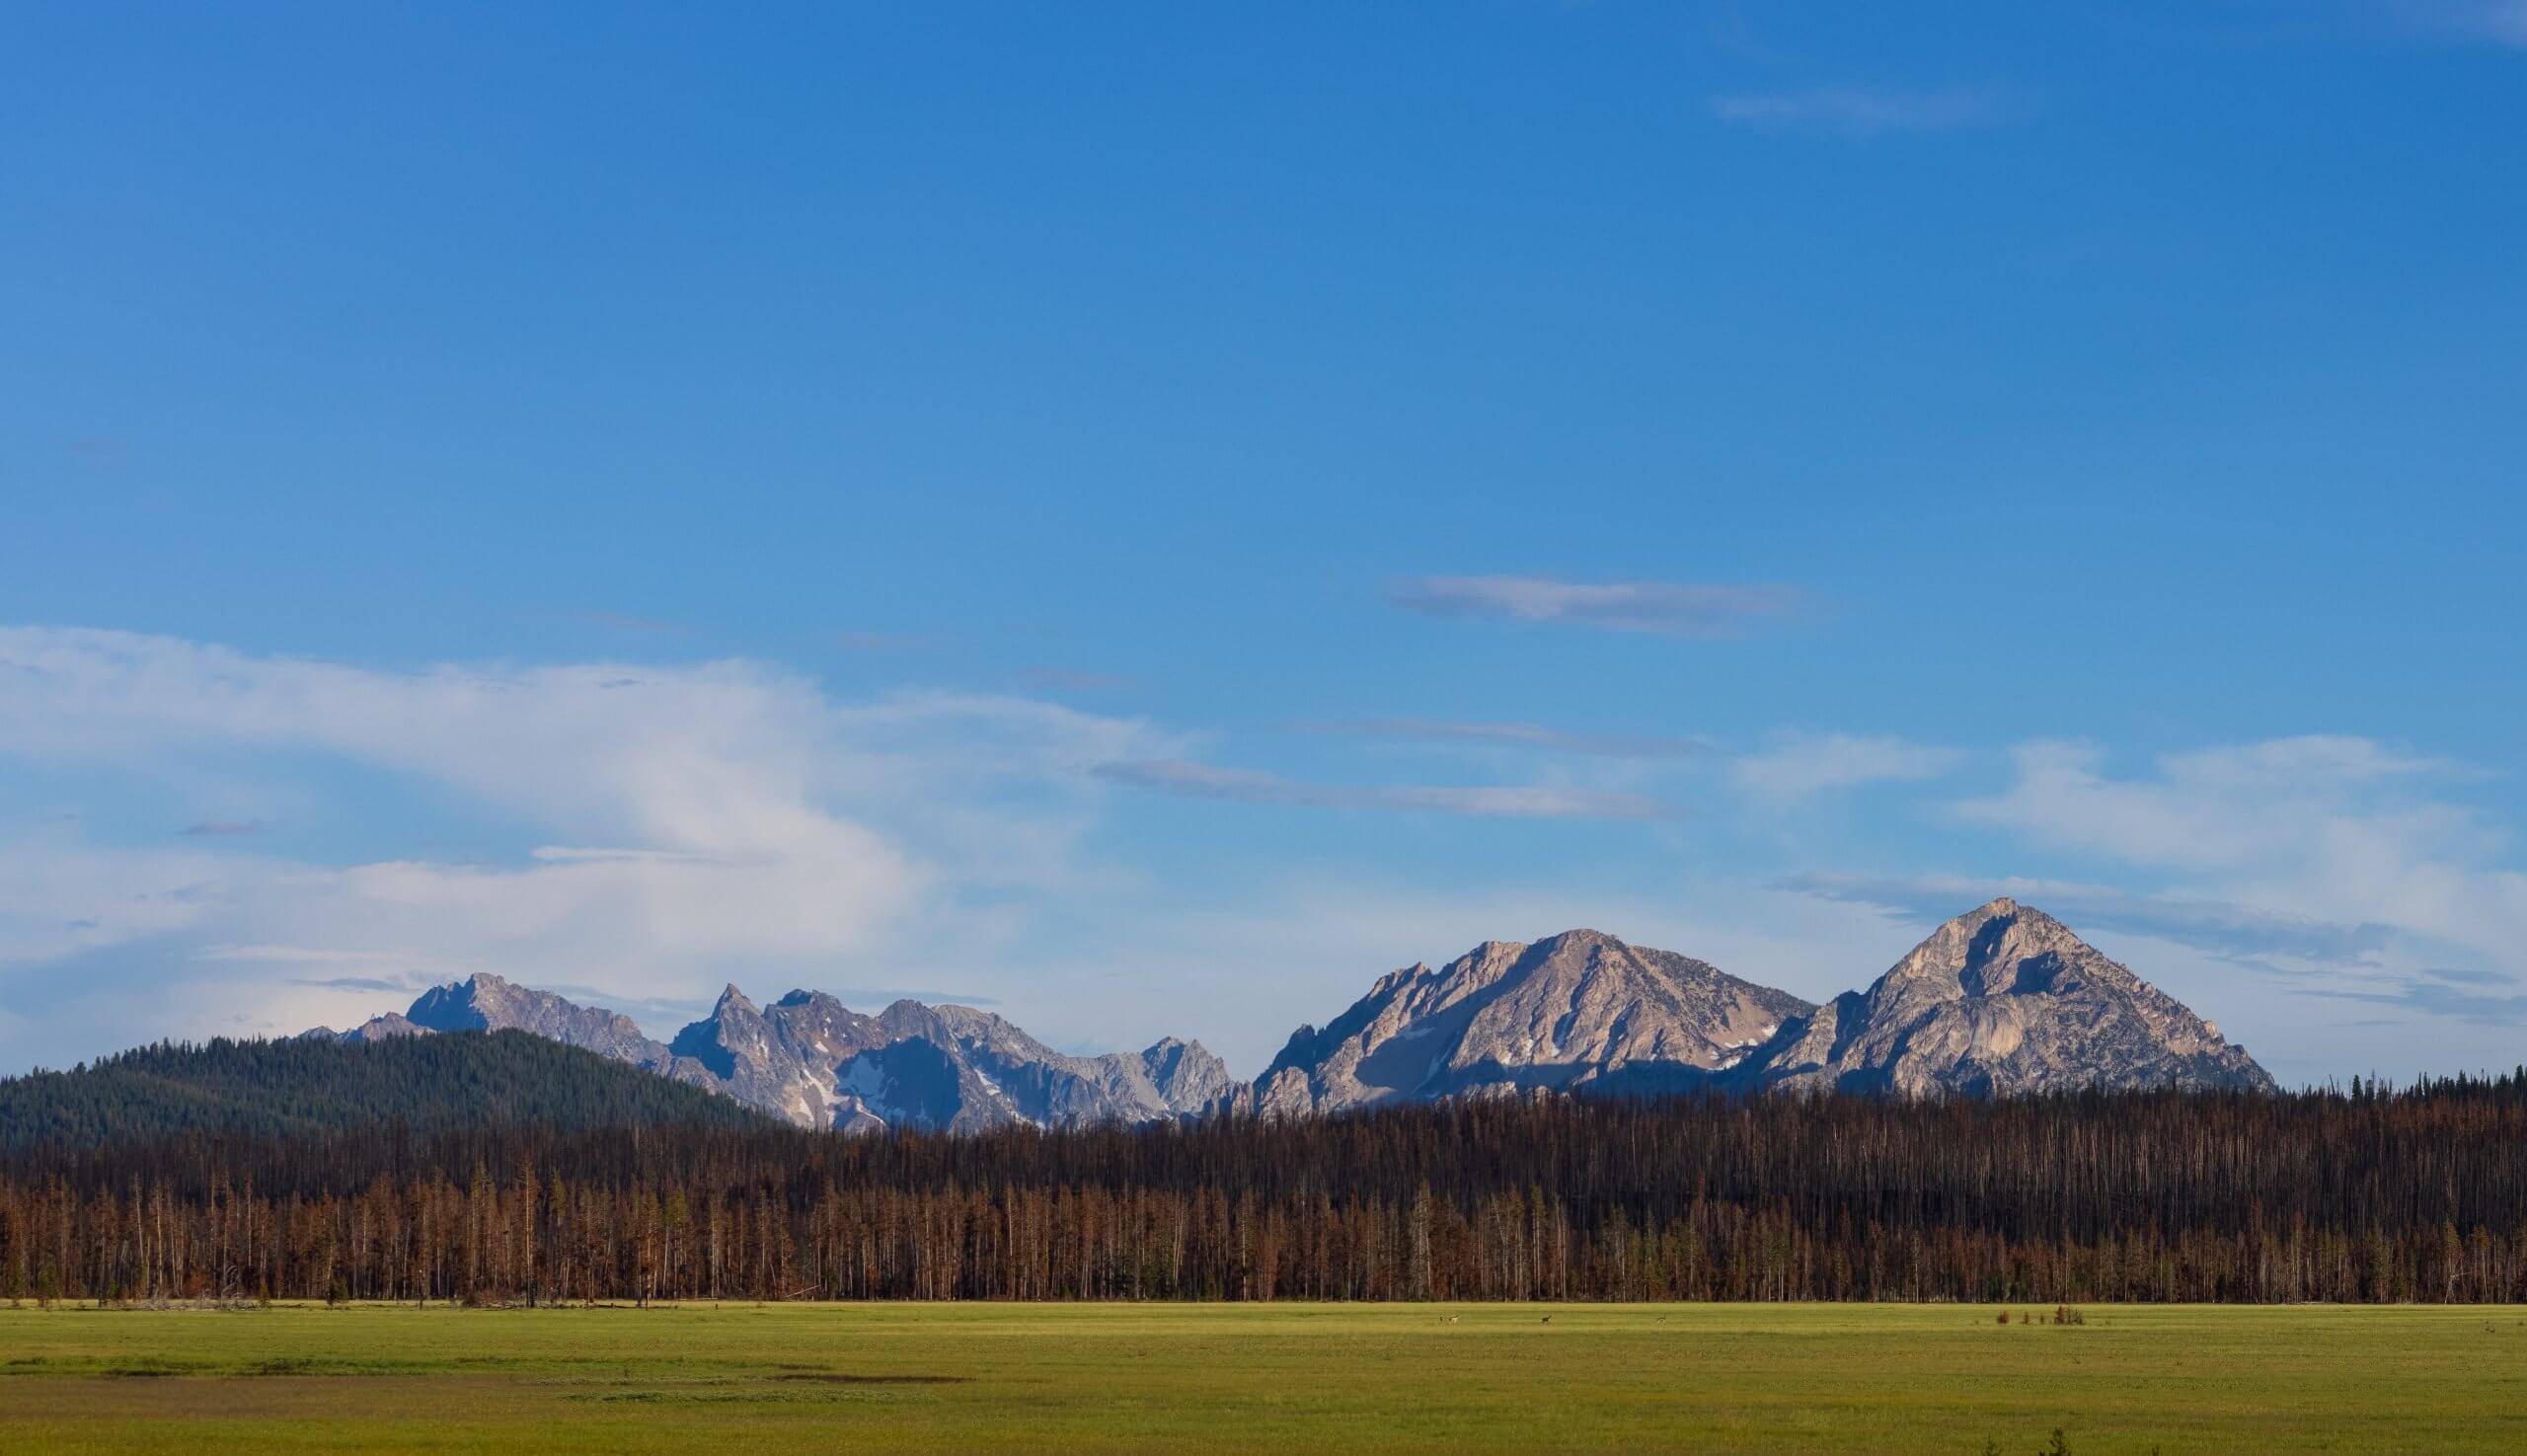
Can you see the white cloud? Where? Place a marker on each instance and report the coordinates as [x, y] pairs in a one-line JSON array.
[[1669, 608], [683, 823], [2222, 809], [2339, 830], [61, 895], [1797, 765]]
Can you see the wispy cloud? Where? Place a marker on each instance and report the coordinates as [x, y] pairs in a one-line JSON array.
[[2330, 829], [2458, 976], [1517, 736], [2229, 808], [1517, 802], [272, 955], [1860, 111], [1669, 608], [2436, 998], [379, 984], [1797, 765], [2504, 21], [223, 828], [2499, 21], [2218, 928]]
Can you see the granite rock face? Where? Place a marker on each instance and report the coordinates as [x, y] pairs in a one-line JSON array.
[[1580, 1011], [2002, 999], [1184, 1074], [487, 1003]]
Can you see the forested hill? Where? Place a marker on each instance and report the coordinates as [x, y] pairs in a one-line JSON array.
[[311, 1084]]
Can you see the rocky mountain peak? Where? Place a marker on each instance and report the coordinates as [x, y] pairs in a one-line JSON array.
[[1580, 1009], [1580, 939], [375, 1029], [1184, 1074], [733, 1034], [2004, 998]]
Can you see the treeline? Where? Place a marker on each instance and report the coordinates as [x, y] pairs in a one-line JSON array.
[[2366, 1196], [313, 1084]]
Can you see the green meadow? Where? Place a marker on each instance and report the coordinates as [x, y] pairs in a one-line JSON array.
[[1298, 1378]]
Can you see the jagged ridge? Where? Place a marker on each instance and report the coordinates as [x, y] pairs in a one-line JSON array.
[[811, 1060]]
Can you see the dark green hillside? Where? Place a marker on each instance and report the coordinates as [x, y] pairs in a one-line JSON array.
[[430, 1082]]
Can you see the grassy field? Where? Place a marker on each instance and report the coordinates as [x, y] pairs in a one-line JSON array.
[[947, 1378]]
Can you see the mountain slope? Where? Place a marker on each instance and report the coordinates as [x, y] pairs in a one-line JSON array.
[[1580, 1010], [312, 1084], [2002, 999]]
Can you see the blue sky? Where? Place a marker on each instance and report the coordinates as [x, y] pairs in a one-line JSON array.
[[1151, 516]]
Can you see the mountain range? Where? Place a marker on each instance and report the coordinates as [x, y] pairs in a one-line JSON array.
[[811, 1060], [2002, 999]]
